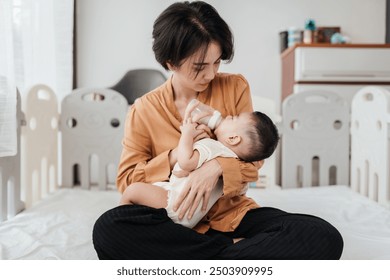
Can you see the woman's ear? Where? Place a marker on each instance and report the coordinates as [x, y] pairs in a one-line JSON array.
[[234, 140], [260, 163], [170, 66]]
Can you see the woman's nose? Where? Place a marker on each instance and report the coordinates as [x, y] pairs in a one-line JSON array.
[[210, 73]]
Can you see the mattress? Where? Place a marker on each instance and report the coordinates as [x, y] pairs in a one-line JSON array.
[[60, 226]]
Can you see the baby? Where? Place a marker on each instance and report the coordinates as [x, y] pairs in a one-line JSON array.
[[248, 136]]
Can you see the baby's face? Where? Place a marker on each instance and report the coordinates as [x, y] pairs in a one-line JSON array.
[[234, 125]]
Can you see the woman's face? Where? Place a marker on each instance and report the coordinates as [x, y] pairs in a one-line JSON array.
[[194, 75]]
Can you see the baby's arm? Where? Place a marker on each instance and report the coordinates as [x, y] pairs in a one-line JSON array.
[[187, 157]]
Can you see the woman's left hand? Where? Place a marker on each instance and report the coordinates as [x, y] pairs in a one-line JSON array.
[[199, 186]]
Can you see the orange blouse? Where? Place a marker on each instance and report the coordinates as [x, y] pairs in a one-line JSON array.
[[152, 130]]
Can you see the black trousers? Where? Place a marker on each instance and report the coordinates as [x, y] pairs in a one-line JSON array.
[[140, 232]]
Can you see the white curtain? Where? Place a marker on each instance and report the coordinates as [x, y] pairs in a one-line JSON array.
[[36, 43], [36, 47], [8, 128]]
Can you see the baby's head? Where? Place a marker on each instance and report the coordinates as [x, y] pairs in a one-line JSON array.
[[252, 136]]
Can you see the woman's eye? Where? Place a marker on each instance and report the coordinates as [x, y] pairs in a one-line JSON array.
[[199, 68]]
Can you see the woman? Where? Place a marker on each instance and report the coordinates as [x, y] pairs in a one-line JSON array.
[[191, 40]]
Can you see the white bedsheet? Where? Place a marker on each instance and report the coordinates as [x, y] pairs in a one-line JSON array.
[[60, 226], [364, 224]]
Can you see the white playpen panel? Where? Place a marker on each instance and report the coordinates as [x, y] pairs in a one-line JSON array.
[[370, 144], [39, 149], [92, 125], [315, 140]]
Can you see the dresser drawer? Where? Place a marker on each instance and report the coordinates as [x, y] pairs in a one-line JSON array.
[[342, 64], [345, 90]]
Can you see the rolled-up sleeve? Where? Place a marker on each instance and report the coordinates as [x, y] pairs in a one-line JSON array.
[[236, 175]]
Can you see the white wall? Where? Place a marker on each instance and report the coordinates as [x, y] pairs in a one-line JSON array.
[[115, 35]]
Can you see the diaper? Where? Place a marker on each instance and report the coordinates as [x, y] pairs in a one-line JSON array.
[[174, 192]]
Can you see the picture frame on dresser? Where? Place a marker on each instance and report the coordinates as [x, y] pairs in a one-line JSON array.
[[324, 33]]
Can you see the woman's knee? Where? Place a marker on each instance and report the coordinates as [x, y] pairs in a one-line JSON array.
[[120, 232], [324, 238], [336, 243]]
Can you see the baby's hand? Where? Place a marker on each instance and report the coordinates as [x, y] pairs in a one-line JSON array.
[[180, 173], [188, 128]]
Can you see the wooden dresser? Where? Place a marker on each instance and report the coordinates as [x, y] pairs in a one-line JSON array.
[[343, 68]]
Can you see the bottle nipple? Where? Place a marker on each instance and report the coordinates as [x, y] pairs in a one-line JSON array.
[[214, 120]]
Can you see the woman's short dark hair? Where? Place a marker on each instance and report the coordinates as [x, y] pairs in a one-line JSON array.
[[186, 27]]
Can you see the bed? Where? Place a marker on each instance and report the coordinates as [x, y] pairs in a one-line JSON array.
[[60, 226], [56, 221]]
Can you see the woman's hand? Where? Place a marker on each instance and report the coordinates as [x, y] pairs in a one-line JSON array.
[[199, 186], [206, 132]]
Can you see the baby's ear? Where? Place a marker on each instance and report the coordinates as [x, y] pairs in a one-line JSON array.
[[234, 140]]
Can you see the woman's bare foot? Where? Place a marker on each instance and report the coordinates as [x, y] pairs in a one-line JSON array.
[[235, 240]]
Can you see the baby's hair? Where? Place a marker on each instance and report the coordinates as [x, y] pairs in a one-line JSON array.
[[264, 138]]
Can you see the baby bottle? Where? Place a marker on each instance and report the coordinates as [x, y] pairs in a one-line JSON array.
[[211, 118]]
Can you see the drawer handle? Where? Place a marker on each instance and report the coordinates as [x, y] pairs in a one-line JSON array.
[[349, 75]]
